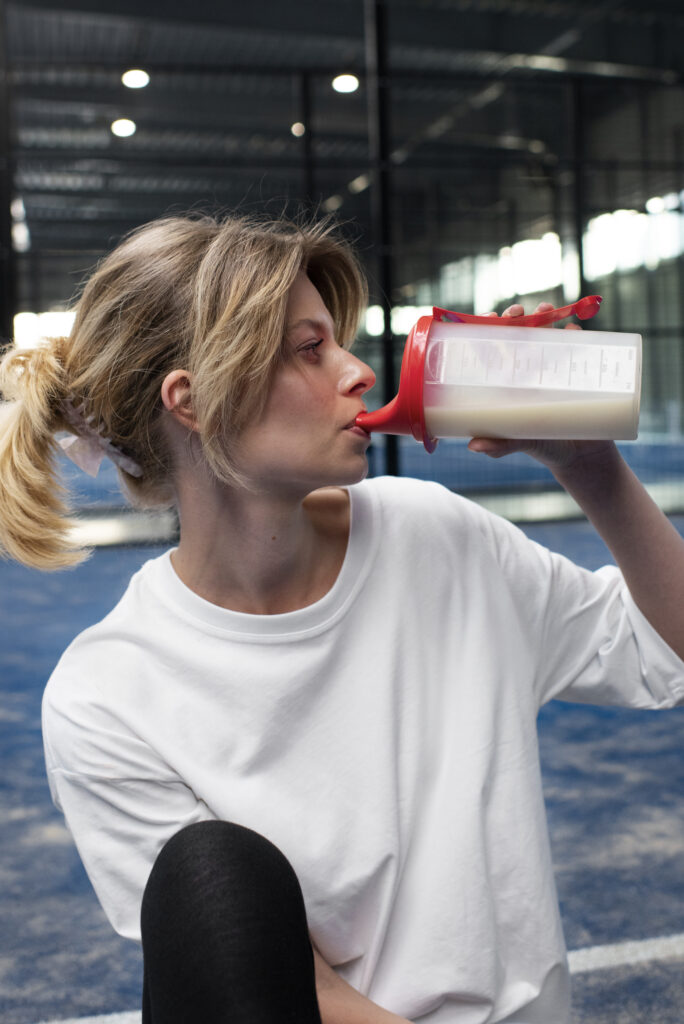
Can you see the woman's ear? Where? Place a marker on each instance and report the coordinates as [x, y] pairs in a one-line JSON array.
[[176, 394]]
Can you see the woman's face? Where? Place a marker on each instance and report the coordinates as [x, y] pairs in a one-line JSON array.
[[306, 437]]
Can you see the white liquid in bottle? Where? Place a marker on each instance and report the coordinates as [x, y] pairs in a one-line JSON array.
[[590, 420]]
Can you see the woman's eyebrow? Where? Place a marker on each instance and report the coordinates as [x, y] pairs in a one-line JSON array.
[[315, 325]]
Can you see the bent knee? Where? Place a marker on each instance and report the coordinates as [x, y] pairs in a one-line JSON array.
[[222, 850]]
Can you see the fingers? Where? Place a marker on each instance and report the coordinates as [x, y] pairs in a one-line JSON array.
[[554, 454], [496, 448], [518, 310]]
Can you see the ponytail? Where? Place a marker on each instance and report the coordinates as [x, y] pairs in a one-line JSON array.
[[34, 516]]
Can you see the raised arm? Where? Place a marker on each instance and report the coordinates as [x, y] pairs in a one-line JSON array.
[[645, 545]]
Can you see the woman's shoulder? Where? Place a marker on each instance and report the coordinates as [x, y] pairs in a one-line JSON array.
[[413, 495], [427, 510], [107, 647], [332, 504], [329, 502]]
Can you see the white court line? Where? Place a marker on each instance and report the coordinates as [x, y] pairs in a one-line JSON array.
[[593, 958], [109, 1018], [624, 954]]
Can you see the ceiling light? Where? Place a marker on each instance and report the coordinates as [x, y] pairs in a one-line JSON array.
[[135, 78], [345, 83], [333, 203], [21, 239], [656, 204], [123, 127], [359, 184], [18, 209], [298, 129]]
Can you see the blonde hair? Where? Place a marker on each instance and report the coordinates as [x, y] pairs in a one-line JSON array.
[[198, 293]]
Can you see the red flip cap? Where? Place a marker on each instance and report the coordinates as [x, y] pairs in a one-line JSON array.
[[583, 309], [405, 414]]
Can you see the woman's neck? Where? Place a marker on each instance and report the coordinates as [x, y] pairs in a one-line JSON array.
[[258, 553]]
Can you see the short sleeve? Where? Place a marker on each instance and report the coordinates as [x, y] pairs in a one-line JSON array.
[[593, 644], [121, 804]]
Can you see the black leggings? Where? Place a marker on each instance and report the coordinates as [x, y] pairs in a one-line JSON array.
[[224, 933]]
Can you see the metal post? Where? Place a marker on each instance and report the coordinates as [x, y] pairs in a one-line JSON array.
[[578, 155], [7, 265], [377, 86], [556, 211], [612, 189], [657, 371], [679, 164], [307, 138]]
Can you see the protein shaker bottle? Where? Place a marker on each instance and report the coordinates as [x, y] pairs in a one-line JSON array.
[[469, 376]]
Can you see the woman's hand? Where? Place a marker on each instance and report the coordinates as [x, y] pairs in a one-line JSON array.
[[339, 1003], [557, 455]]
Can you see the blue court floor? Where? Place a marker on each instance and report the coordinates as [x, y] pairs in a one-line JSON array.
[[614, 784]]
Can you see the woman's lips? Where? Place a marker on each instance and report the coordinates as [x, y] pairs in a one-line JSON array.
[[355, 429]]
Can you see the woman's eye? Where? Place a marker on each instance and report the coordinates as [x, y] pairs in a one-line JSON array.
[[310, 350]]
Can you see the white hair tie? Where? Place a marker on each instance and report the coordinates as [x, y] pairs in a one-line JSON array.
[[86, 447]]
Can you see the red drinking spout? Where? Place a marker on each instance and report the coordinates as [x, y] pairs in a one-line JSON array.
[[405, 413]]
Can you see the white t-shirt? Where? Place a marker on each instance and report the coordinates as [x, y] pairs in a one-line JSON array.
[[384, 738]]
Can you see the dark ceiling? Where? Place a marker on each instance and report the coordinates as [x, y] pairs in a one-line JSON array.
[[478, 89]]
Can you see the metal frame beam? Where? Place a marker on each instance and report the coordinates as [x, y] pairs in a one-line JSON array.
[[7, 264]]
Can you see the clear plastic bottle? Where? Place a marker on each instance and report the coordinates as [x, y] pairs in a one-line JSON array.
[[467, 376]]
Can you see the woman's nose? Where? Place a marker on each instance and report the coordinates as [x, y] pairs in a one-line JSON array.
[[358, 377]]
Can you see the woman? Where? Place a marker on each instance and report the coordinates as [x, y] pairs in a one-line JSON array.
[[299, 757]]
